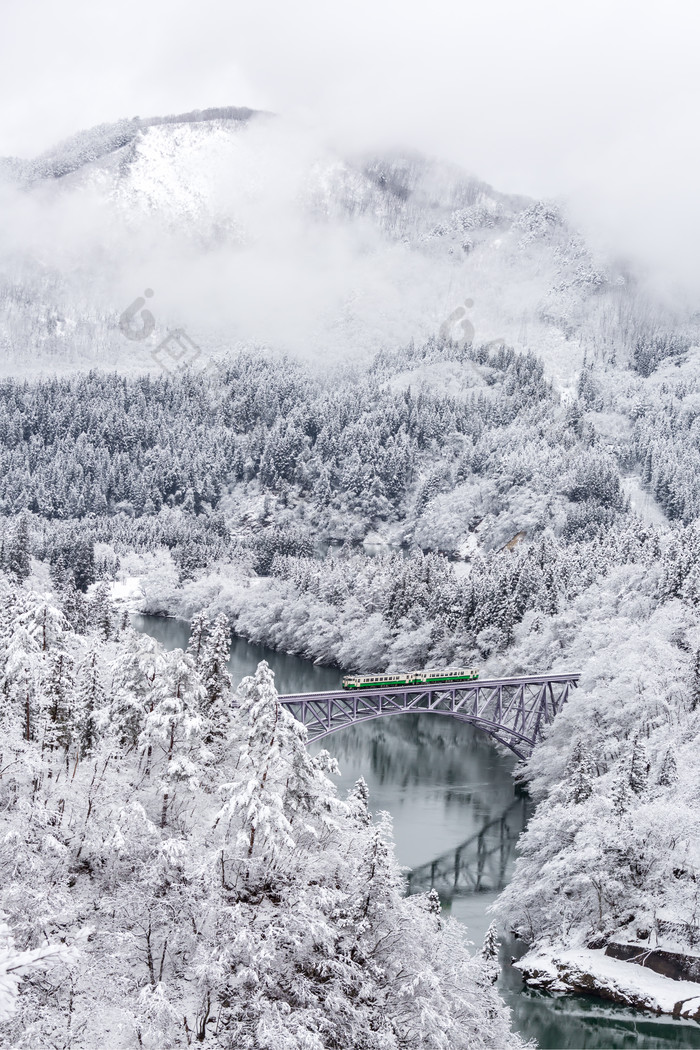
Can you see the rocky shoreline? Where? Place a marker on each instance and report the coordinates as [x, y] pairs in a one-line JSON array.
[[632, 981]]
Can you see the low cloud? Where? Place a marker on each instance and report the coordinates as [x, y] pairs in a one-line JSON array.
[[594, 103]]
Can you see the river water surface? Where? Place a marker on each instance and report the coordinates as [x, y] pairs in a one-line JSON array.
[[445, 785]]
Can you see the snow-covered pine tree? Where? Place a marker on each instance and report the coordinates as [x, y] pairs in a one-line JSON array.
[[27, 630], [213, 670], [580, 773], [620, 794], [75, 607], [171, 741], [639, 768], [58, 701], [199, 635], [358, 801], [669, 770], [489, 952], [101, 611], [254, 809], [90, 702], [18, 556], [134, 674]]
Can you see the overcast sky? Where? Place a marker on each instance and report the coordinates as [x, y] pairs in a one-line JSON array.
[[596, 101]]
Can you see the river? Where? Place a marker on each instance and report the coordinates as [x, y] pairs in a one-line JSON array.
[[452, 800]]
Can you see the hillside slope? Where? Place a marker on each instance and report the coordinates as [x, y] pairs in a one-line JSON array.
[[251, 233]]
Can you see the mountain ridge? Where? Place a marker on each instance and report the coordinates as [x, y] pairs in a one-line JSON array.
[[93, 143], [253, 233]]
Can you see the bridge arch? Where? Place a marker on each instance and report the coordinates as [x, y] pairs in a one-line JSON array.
[[514, 711], [497, 732]]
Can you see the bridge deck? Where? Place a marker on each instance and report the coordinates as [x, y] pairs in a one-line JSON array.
[[343, 694]]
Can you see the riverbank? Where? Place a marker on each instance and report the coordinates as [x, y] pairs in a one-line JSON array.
[[442, 781], [592, 972]]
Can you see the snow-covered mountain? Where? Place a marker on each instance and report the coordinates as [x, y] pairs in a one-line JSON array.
[[249, 231]]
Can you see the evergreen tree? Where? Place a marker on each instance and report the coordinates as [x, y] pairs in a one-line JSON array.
[[358, 801], [620, 795], [489, 952], [434, 906], [199, 636], [669, 770], [580, 774], [58, 694], [639, 768], [101, 611], [89, 705], [134, 676], [171, 740], [75, 608], [18, 556], [213, 670], [256, 797]]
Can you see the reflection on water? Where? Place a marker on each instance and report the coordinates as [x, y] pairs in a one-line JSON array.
[[443, 783], [440, 779], [481, 864], [587, 1023]]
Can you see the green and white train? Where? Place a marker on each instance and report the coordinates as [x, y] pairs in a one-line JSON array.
[[377, 681]]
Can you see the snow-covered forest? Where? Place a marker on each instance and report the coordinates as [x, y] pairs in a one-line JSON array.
[[382, 489], [177, 869], [247, 492]]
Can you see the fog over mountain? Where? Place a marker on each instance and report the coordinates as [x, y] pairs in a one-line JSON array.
[[251, 231], [594, 103]]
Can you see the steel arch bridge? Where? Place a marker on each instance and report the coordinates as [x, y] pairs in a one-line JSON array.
[[514, 711]]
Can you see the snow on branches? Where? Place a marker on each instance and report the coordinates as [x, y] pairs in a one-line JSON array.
[[175, 866]]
